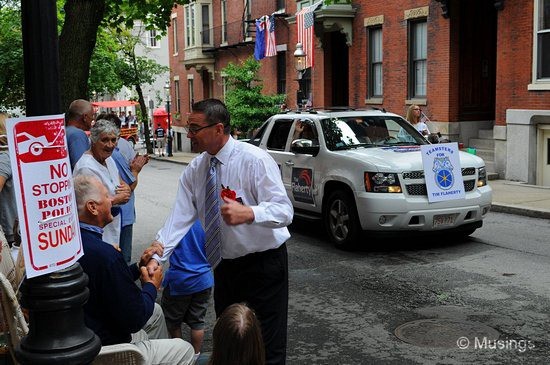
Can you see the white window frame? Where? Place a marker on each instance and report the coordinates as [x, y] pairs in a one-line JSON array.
[[225, 86], [152, 41], [190, 14], [536, 82], [193, 23], [177, 96], [376, 63], [191, 92], [223, 11], [175, 35], [210, 23], [418, 78], [247, 17]]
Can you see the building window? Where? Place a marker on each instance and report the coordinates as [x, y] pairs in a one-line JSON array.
[[152, 38], [247, 19], [418, 54], [375, 63], [280, 4], [281, 73], [543, 40], [191, 93], [225, 86], [224, 20], [205, 13], [177, 95], [175, 34], [190, 25]]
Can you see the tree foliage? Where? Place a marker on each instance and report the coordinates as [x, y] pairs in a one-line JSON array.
[[105, 65], [12, 92], [135, 71], [80, 28], [248, 107]]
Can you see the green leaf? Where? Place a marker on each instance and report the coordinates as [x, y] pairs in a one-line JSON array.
[[248, 107]]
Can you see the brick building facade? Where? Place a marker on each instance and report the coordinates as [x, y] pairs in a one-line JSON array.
[[480, 69]]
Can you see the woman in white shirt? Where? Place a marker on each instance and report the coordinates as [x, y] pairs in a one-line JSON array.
[[414, 116], [98, 161]]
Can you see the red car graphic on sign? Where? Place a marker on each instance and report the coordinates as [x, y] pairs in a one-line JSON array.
[[40, 144]]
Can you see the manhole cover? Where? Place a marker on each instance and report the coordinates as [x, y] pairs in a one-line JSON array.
[[446, 333]]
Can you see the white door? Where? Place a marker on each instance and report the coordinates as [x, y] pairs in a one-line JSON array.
[[544, 156]]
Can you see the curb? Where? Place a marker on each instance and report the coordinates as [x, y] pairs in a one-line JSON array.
[[519, 210], [168, 160]]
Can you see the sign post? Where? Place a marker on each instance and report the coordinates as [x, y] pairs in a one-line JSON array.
[[50, 243], [43, 181]]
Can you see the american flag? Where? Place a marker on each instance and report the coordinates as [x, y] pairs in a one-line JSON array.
[[304, 23], [270, 44]]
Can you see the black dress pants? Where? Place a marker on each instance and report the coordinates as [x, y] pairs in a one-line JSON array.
[[260, 280]]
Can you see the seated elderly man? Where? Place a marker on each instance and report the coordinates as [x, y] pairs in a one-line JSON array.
[[118, 310]]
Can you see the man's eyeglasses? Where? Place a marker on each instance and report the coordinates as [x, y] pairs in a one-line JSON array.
[[195, 130], [415, 109]]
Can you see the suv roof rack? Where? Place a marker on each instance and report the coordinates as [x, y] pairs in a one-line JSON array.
[[299, 111], [381, 109], [337, 108]]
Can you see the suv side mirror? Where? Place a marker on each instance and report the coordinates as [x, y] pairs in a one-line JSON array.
[[304, 146]]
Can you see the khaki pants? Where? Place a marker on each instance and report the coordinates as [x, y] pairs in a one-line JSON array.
[[153, 341]]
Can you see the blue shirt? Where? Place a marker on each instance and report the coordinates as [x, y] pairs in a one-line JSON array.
[[127, 211], [77, 143], [189, 270], [117, 307]]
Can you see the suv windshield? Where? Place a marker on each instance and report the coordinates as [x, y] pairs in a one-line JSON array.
[[368, 131]]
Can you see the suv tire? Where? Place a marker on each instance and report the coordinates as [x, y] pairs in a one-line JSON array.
[[341, 221]]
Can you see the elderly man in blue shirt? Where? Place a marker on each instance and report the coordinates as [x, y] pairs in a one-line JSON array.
[[119, 311]]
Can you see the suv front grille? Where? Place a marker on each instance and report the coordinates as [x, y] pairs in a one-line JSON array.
[[466, 171], [413, 175], [420, 188]]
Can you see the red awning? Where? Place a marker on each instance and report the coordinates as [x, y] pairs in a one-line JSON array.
[[114, 103], [160, 111]]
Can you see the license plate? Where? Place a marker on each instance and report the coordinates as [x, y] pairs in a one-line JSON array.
[[444, 220]]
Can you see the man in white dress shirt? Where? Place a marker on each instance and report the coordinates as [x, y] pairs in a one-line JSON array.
[[254, 265]]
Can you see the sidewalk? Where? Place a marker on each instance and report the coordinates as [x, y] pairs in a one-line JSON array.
[[508, 196]]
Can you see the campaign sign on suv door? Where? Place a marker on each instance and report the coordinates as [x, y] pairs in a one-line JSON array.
[[44, 191]]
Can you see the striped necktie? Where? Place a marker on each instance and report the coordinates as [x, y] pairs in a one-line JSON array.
[[212, 217]]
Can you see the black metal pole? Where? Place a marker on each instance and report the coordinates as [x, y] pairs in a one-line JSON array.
[[57, 334], [168, 132], [300, 92], [41, 57]]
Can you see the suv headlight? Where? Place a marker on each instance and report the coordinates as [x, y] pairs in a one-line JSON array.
[[382, 182], [481, 177]]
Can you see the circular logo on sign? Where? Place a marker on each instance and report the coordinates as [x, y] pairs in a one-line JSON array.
[[444, 179]]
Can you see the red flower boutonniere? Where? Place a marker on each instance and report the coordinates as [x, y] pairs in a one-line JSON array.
[[230, 194]]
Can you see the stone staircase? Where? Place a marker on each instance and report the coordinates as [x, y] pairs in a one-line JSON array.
[[485, 148]]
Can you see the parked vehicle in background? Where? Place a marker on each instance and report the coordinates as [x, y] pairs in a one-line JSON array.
[[129, 129], [130, 134], [361, 170]]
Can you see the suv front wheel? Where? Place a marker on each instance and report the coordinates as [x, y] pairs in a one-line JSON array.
[[341, 221]]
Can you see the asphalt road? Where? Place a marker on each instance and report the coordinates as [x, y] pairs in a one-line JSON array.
[[482, 300]]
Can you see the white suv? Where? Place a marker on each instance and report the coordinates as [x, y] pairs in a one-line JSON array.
[[361, 170]]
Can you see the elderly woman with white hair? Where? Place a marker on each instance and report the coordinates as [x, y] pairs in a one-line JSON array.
[[98, 161]]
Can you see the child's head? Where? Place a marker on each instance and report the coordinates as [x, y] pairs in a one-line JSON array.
[[237, 338]]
